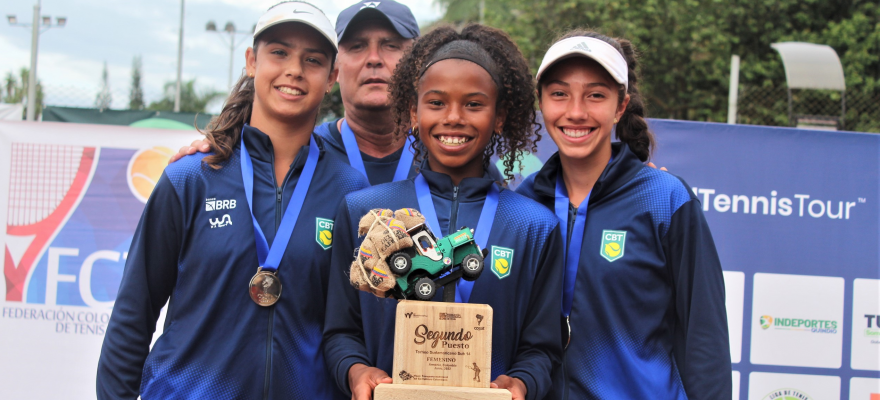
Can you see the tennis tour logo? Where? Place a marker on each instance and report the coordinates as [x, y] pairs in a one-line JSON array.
[[776, 203], [324, 232], [502, 261], [613, 245], [797, 324]]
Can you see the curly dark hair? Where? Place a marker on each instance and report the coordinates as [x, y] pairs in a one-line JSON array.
[[632, 128], [516, 97]]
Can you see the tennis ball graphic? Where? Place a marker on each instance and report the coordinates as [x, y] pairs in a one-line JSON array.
[[144, 170], [501, 265], [612, 249], [326, 237]]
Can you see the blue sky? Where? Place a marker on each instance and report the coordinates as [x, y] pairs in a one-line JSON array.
[[71, 58]]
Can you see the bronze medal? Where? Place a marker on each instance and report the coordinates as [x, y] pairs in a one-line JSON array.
[[265, 288]]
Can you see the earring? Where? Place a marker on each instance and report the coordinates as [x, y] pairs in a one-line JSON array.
[[327, 92], [615, 120], [415, 130], [250, 75]]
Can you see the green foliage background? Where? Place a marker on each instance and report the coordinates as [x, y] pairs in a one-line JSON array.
[[686, 45]]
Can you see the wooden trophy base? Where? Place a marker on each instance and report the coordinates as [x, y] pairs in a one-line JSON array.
[[385, 391]]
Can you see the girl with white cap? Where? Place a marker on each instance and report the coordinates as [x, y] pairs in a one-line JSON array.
[[223, 233], [642, 310]]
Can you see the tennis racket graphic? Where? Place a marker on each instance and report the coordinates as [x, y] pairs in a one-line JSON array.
[[46, 183]]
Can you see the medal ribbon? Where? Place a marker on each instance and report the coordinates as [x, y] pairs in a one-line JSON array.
[[481, 234], [573, 253], [356, 162], [270, 258]]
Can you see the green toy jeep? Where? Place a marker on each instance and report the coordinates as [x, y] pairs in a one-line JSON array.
[[420, 267]]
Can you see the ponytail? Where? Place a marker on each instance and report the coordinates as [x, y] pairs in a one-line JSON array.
[[632, 128], [224, 130]]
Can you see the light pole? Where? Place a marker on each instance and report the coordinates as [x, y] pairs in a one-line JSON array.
[[179, 61], [230, 29], [36, 30]]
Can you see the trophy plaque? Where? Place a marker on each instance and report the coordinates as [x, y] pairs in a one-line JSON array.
[[442, 351]]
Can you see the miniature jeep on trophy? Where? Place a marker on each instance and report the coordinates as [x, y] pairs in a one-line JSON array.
[[419, 268]]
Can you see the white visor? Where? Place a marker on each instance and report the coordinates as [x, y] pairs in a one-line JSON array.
[[598, 50], [297, 11]]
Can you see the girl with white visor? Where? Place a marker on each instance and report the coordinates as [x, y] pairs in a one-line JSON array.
[[643, 294]]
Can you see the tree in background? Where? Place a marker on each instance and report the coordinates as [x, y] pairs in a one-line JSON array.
[[15, 90], [191, 99], [686, 45], [104, 98], [136, 95]]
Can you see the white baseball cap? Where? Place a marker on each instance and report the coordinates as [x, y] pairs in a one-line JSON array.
[[297, 11], [583, 46]]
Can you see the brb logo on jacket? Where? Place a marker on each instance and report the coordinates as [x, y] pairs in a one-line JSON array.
[[613, 244], [502, 261], [212, 204], [324, 232]]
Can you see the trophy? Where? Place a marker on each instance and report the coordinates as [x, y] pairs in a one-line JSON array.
[[442, 350]]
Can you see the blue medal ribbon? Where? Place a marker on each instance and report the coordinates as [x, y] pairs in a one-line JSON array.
[[354, 154], [270, 258], [481, 234], [573, 253]]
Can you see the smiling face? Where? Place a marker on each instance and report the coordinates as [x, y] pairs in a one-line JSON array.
[[367, 58], [456, 116], [580, 102], [292, 71]]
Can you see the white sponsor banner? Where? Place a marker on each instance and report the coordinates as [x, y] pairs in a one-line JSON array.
[[864, 389], [735, 379], [70, 198], [771, 386], [866, 325], [797, 320], [734, 289]]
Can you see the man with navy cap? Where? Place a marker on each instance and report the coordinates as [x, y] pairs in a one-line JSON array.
[[372, 36]]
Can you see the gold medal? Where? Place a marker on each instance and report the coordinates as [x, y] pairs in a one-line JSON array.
[[265, 288]]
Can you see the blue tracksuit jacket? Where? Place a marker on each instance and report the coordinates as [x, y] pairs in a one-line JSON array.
[[525, 344], [652, 323], [196, 246]]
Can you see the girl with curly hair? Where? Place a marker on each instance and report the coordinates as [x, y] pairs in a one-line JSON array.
[[463, 97], [643, 297]]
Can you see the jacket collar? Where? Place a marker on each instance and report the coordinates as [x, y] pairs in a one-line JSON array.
[[623, 167], [470, 189], [260, 146]]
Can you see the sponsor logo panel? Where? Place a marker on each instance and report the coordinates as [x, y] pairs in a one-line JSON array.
[[864, 389], [796, 320], [866, 325], [773, 386], [734, 288]]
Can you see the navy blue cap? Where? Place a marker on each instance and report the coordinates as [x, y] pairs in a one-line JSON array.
[[397, 14]]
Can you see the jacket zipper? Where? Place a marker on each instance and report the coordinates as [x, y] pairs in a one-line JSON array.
[[572, 215], [453, 211], [279, 213]]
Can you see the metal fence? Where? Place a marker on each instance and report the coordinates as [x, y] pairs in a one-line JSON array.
[[852, 111], [86, 96]]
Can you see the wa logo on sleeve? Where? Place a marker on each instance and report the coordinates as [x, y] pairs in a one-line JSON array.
[[613, 244], [324, 232], [502, 261]]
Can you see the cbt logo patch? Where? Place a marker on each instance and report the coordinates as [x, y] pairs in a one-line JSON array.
[[324, 232], [502, 261], [613, 244]]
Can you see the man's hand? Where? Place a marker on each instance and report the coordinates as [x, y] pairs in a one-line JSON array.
[[650, 164], [363, 379], [516, 387], [201, 146]]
